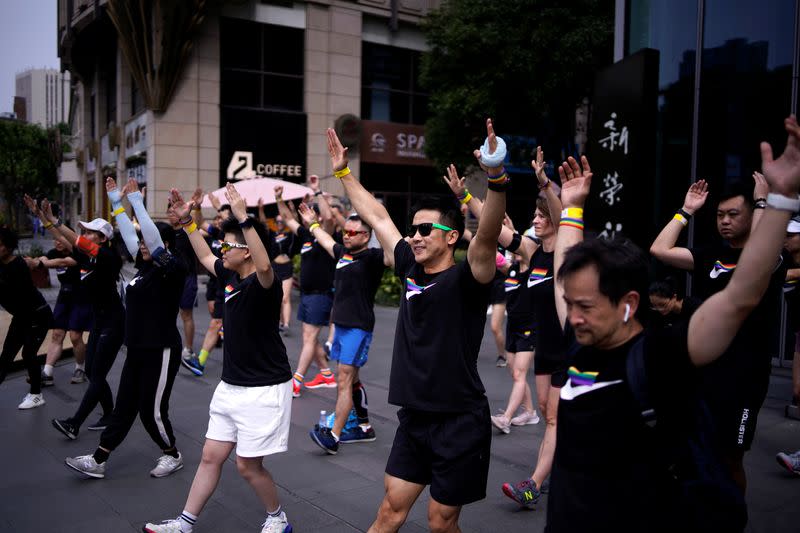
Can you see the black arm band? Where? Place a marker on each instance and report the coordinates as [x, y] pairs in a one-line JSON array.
[[247, 223], [516, 240], [686, 215]]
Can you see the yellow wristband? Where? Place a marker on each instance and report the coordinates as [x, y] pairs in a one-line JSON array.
[[313, 226], [680, 218], [190, 228], [48, 225], [118, 211], [572, 212], [466, 198], [341, 173]]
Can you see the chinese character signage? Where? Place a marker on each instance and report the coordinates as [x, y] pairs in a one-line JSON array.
[[621, 149]]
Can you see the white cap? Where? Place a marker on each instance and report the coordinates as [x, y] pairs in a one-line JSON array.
[[793, 227], [99, 224]]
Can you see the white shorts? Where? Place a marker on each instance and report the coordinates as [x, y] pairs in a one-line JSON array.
[[257, 419]]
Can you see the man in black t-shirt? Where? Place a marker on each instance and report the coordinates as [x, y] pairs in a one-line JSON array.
[[735, 386], [610, 466], [358, 275], [444, 436], [251, 407]]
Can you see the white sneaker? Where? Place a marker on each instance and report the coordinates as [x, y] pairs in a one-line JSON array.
[[187, 352], [85, 464], [502, 423], [31, 401], [527, 418], [167, 526], [277, 524], [166, 465]]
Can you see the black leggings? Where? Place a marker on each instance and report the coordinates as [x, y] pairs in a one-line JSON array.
[[144, 389], [28, 333], [105, 340]]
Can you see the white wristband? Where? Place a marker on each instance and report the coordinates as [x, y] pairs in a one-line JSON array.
[[783, 203]]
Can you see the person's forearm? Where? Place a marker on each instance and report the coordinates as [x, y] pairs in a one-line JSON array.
[[257, 251], [197, 214], [325, 211], [570, 233], [323, 238], [364, 203], [667, 238], [150, 234], [483, 246], [124, 223], [553, 204]]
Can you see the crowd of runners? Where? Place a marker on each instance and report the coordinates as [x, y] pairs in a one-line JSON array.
[[650, 397]]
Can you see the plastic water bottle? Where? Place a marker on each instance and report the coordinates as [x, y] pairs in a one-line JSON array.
[[323, 419]]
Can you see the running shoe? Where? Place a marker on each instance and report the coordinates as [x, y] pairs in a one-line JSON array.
[[501, 361], [320, 382], [276, 524], [47, 381], [67, 428], [193, 364], [101, 424], [324, 439], [167, 526], [85, 464], [524, 493], [502, 423], [31, 401], [527, 418], [295, 389], [358, 434], [78, 376], [186, 352], [790, 461], [167, 465]]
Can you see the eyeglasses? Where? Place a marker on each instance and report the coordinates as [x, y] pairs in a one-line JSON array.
[[227, 246], [425, 228], [352, 232]]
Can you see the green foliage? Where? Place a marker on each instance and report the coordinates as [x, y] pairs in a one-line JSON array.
[[518, 61], [389, 290]]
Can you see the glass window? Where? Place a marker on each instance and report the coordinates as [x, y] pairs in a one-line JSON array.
[[391, 91], [136, 97], [283, 92]]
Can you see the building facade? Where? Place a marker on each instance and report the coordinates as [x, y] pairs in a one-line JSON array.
[[46, 94], [260, 84]]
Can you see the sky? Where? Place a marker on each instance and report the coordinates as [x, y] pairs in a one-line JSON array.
[[27, 40]]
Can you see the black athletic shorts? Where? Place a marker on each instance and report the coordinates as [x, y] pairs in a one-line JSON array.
[[552, 365], [211, 289], [735, 420], [497, 293], [284, 271], [448, 451], [520, 340]]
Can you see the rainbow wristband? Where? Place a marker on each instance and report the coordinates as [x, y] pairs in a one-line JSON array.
[[572, 217], [313, 226], [680, 218], [118, 211], [341, 173]]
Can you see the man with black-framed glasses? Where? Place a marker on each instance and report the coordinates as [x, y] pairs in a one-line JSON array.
[[359, 270]]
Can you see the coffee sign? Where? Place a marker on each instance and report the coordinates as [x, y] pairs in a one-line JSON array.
[[393, 144]]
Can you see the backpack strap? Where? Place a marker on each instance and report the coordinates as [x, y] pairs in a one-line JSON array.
[[638, 383]]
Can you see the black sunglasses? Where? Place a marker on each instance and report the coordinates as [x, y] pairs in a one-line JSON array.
[[425, 228]]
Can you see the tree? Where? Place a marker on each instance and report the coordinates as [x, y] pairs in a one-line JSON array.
[[29, 158], [526, 63]]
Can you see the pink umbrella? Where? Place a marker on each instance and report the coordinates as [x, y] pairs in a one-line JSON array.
[[263, 188]]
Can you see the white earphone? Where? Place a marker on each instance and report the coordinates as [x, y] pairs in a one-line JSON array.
[[627, 313]]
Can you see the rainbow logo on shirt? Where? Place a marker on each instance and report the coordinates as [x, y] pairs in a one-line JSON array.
[[280, 237], [228, 289], [412, 289], [306, 247], [581, 378], [511, 284], [85, 273], [721, 268], [538, 275], [344, 261]]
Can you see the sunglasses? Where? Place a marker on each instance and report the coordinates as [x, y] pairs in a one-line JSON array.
[[352, 232], [227, 246], [425, 228]]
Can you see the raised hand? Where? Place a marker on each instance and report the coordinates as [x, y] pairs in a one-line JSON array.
[[696, 196], [30, 203], [576, 181], [111, 184], [130, 187], [313, 182], [307, 214], [538, 166], [238, 205], [214, 201], [337, 152], [783, 174], [761, 187], [47, 211], [278, 192], [507, 222], [197, 197], [181, 209], [455, 183], [492, 147]]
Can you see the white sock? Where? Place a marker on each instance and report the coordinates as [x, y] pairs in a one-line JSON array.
[[187, 521], [275, 513], [80, 366], [48, 370]]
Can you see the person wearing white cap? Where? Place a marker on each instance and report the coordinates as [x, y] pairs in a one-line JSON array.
[[100, 266]]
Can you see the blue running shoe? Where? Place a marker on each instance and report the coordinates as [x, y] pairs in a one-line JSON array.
[[324, 439], [358, 434], [193, 364]]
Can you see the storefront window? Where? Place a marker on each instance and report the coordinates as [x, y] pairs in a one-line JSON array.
[[391, 90]]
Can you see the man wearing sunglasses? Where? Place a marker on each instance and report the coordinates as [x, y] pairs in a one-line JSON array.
[[359, 270], [444, 435]]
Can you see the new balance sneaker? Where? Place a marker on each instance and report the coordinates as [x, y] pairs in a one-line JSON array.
[[324, 439], [790, 461], [502, 423], [501, 362], [527, 418], [78, 376], [31, 401], [193, 364], [166, 465], [295, 389], [167, 526], [358, 434], [524, 493], [67, 428], [101, 424], [320, 382], [276, 524], [85, 464]]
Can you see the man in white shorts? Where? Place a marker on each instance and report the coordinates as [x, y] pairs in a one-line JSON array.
[[251, 407]]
